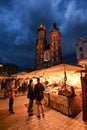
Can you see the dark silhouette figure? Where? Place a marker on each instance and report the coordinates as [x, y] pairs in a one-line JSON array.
[[30, 95], [39, 96]]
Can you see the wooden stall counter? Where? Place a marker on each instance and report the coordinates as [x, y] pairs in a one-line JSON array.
[[67, 105]]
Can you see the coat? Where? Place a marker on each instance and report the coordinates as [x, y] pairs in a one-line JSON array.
[[30, 94]]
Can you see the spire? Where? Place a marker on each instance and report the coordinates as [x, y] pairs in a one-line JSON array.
[[41, 25], [55, 26]]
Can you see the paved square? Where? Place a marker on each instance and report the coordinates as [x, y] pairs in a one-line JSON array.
[[53, 119]]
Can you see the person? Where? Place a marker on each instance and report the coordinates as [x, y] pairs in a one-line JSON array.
[[24, 87], [30, 95], [6, 89], [11, 92], [39, 96], [3, 84], [72, 91]]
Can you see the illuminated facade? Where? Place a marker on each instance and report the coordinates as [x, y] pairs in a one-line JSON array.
[[48, 55], [81, 51]]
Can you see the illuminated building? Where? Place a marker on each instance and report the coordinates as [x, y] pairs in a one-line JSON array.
[[48, 55], [81, 51]]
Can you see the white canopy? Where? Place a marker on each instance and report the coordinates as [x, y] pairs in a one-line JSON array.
[[49, 71]]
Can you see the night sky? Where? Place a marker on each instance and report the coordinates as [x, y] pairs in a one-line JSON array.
[[19, 20]]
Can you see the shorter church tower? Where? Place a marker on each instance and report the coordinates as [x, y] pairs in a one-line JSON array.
[[55, 46], [40, 45]]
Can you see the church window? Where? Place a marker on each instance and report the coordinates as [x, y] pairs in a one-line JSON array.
[[53, 37], [52, 53], [52, 60], [41, 56], [53, 43], [81, 49], [57, 58], [52, 48], [57, 44], [46, 56], [56, 53], [40, 46], [56, 47], [81, 55]]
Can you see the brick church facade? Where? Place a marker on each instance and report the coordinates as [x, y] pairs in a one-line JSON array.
[[48, 55]]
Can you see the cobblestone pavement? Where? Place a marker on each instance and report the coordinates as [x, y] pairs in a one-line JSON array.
[[53, 119]]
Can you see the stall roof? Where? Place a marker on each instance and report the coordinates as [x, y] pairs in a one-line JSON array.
[[56, 68], [67, 67]]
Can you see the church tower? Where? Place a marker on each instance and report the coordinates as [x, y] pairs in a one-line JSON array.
[[48, 55], [55, 46], [40, 45]]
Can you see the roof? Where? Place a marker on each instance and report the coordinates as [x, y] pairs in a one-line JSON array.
[[57, 68]]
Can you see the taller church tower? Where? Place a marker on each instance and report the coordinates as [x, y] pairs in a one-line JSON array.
[[48, 55], [40, 45]]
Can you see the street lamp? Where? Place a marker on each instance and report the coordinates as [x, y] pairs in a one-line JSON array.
[[65, 77], [1, 65], [1, 68]]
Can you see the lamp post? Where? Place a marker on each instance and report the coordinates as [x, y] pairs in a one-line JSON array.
[[1, 65], [65, 78], [1, 68]]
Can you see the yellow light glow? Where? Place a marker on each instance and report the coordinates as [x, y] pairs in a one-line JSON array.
[[1, 65]]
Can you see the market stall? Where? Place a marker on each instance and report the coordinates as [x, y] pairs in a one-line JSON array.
[[62, 87]]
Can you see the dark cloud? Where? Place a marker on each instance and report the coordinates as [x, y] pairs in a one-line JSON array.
[[19, 21], [5, 3]]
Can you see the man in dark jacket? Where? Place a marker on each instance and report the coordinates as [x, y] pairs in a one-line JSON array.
[[31, 97], [39, 96]]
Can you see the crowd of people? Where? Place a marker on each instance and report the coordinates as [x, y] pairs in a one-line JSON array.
[[23, 86], [34, 92]]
